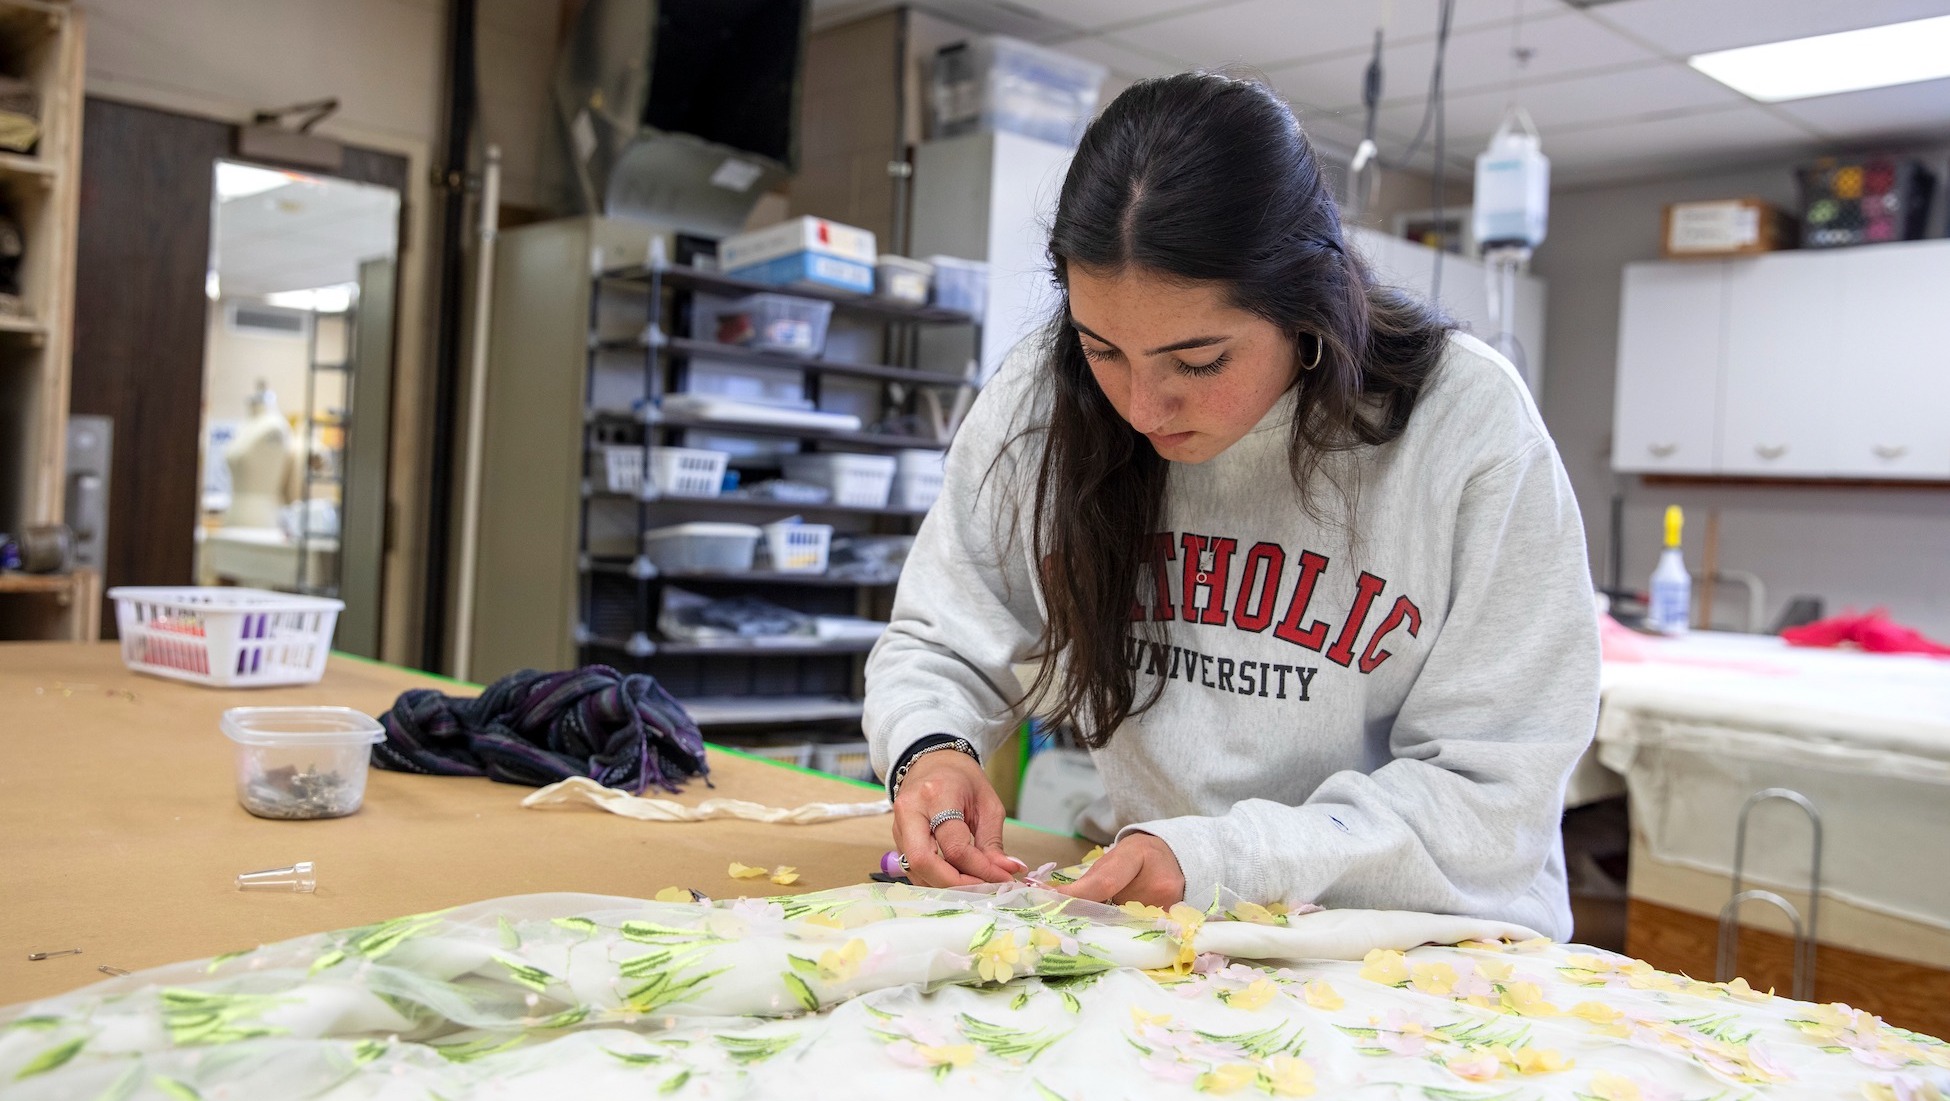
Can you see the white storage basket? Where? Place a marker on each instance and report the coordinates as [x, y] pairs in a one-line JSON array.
[[917, 479], [702, 547], [857, 481], [849, 759], [224, 637], [798, 548], [675, 471]]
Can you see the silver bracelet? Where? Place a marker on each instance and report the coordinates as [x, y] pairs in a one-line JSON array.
[[961, 745]]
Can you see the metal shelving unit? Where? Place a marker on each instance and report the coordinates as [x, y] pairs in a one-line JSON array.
[[313, 445], [734, 683]]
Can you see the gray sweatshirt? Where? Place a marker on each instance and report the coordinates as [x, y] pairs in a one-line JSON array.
[[1385, 721]]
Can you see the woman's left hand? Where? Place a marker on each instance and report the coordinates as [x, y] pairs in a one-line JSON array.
[[1140, 868]]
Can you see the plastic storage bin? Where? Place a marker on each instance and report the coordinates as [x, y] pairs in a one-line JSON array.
[[224, 637], [777, 323], [675, 471], [1000, 83], [857, 481], [848, 759], [798, 754], [702, 546], [794, 547], [301, 762], [917, 479], [903, 280], [961, 284]]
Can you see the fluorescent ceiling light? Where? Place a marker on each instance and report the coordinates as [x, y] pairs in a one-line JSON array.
[[1827, 64], [240, 181], [336, 298]]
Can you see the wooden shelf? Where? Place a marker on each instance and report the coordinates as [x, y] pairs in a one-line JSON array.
[[844, 301], [25, 164], [28, 325]]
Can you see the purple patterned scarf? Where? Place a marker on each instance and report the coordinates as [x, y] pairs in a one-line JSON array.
[[622, 731]]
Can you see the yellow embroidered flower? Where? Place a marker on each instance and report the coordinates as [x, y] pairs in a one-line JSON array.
[[1525, 998], [1255, 996], [1598, 1013], [1480, 1066], [996, 960], [744, 871], [1493, 970], [1533, 944], [1140, 910], [1187, 922], [824, 921], [1044, 939], [841, 964], [1593, 964], [785, 876], [1433, 978], [1385, 966], [1290, 1077], [1322, 996], [1612, 1087], [675, 894], [1140, 1018], [1229, 1078], [1652, 980], [947, 1055], [1255, 913], [1484, 946], [1529, 1060], [1092, 855], [1739, 989]]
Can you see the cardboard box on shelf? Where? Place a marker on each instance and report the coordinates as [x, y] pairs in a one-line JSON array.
[[1724, 227]]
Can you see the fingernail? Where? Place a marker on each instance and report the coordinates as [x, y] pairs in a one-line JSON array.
[[1020, 866]]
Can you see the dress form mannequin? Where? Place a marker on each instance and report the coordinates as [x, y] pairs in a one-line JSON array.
[[259, 459]]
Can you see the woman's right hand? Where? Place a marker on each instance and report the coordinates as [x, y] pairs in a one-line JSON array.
[[969, 852]]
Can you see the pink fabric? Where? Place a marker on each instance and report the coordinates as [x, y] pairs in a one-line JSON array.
[[1874, 632]]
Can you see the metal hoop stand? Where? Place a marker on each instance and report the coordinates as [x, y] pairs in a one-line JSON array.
[[1804, 945]]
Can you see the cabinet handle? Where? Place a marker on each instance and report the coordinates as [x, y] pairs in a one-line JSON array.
[[1891, 450], [1661, 450], [1770, 451]]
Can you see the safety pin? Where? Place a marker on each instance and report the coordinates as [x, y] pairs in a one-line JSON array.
[[51, 955], [111, 969]]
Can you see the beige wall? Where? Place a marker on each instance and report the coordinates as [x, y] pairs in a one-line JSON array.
[[234, 363], [384, 60]]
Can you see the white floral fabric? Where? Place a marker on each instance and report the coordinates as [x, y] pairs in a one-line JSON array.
[[882, 991]]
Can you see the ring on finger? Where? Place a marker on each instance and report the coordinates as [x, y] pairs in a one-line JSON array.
[[935, 823]]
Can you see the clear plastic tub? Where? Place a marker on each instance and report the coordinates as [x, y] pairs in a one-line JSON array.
[[857, 481], [961, 284], [917, 479], [998, 83], [903, 280], [777, 323], [301, 762], [702, 546]]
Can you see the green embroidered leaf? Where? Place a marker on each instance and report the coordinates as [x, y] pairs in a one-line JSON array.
[[797, 986], [664, 988], [328, 960], [982, 936], [1264, 1044], [1021, 999], [170, 1087], [1070, 1002], [194, 1017], [510, 939], [32, 1022], [377, 940], [635, 1060], [534, 978], [219, 961], [1069, 966], [575, 924], [51, 1058], [746, 1050], [365, 1051], [1015, 1044], [1045, 1093], [880, 1013], [676, 1083], [803, 965], [1151, 934], [475, 1049], [568, 1018]]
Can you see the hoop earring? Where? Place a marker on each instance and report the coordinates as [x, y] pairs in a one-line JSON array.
[[1320, 349]]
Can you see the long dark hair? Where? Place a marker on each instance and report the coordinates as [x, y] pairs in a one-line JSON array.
[[1204, 178]]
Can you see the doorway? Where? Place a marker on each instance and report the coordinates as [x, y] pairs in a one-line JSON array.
[[148, 311], [296, 262]]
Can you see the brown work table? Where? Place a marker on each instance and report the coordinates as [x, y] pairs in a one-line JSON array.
[[120, 832]]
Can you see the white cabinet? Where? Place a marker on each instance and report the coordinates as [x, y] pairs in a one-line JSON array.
[[1890, 384], [1812, 364], [1784, 334], [1670, 343]]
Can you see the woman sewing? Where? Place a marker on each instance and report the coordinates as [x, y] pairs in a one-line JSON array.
[[1295, 557]]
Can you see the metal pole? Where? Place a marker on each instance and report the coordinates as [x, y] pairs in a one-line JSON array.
[[470, 503]]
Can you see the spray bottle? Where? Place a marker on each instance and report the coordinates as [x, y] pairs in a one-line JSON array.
[[1670, 610]]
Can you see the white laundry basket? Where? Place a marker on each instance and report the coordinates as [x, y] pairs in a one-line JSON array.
[[224, 637], [674, 471], [798, 548]]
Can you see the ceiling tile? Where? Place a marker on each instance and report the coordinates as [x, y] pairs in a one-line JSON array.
[[1646, 148], [1120, 57], [1907, 109], [1093, 15], [1663, 87], [1685, 27]]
